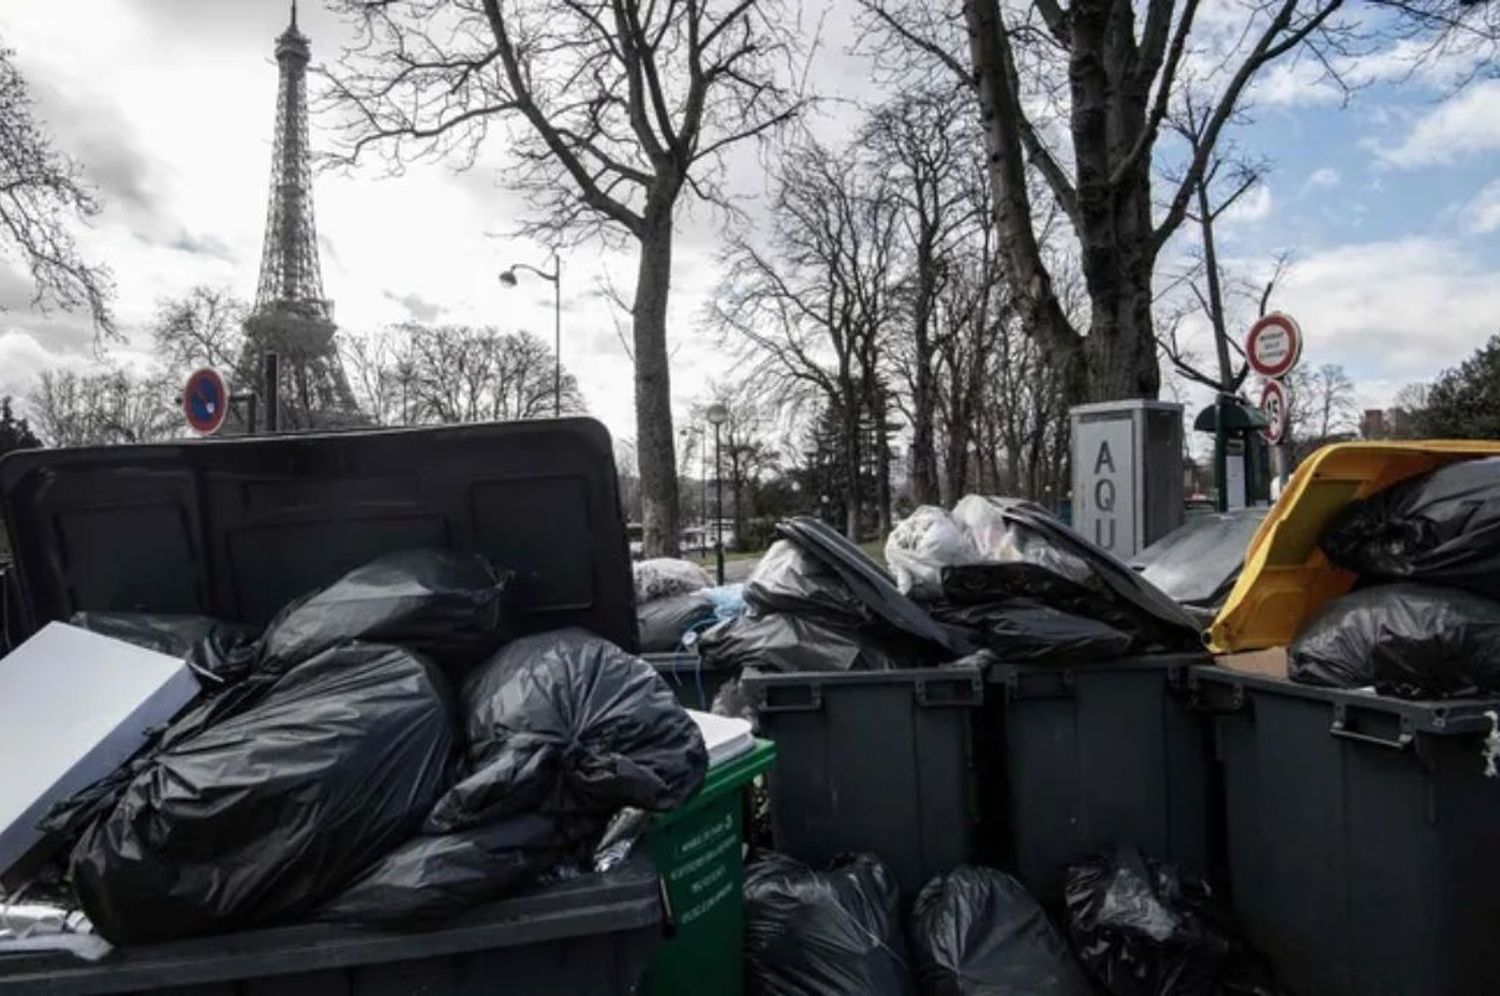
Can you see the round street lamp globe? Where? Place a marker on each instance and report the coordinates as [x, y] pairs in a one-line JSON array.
[[508, 278], [717, 414]]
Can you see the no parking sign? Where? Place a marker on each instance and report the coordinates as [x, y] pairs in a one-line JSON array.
[[205, 401]]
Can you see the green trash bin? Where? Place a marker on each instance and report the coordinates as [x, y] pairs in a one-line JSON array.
[[699, 852]]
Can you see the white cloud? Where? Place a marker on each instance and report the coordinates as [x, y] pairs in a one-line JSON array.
[[1459, 127], [1482, 215], [1253, 206], [1398, 310], [1322, 178]]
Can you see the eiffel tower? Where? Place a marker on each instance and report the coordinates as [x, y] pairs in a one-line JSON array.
[[291, 316]]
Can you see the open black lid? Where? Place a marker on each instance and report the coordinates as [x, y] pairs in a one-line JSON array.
[[236, 528]]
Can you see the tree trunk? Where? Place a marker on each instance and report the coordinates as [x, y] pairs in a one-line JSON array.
[[655, 445], [850, 429], [882, 470], [924, 475]]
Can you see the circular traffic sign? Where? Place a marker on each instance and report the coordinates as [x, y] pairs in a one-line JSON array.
[[205, 401], [1273, 345], [1273, 402]]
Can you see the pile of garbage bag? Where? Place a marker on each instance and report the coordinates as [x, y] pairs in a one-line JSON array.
[[840, 932], [815, 602], [1029, 588], [386, 751], [676, 601], [1423, 620]]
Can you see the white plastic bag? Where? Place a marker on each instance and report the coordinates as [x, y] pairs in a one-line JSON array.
[[921, 545], [666, 576]]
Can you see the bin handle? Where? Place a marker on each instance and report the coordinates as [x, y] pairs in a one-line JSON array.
[[948, 692], [791, 698], [1340, 728]]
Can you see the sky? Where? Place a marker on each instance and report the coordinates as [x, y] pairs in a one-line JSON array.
[[1389, 200]]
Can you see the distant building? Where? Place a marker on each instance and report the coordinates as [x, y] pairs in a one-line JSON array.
[[1374, 424]]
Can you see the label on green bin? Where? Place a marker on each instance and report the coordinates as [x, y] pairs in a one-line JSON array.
[[700, 869]]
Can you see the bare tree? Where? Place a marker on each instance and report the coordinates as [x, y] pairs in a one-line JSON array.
[[618, 108], [107, 406], [42, 195], [417, 374], [1321, 407], [915, 140], [1106, 75], [813, 307], [202, 328]]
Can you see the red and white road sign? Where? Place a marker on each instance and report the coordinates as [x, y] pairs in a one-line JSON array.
[[1273, 345], [205, 401], [1273, 404]]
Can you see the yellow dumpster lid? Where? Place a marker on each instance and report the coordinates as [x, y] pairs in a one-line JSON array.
[[1286, 578]]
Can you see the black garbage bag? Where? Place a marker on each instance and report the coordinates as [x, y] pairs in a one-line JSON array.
[[789, 579], [567, 723], [1023, 631], [986, 584], [219, 653], [431, 877], [1441, 527], [784, 641], [452, 607], [664, 621], [978, 932], [833, 933], [265, 815], [1142, 929], [1411, 640]]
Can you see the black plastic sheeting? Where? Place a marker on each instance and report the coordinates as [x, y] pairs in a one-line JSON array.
[[1021, 631], [664, 621], [1142, 929], [978, 932], [833, 933], [218, 652], [1410, 640], [1442, 528], [1198, 563], [452, 607], [260, 816]]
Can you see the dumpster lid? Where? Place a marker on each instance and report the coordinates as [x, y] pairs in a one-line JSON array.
[[236, 528], [1286, 579], [1197, 562]]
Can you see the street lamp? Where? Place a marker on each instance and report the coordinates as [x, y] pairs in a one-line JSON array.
[[717, 415], [508, 278]]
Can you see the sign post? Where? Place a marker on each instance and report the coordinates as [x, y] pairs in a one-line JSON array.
[[205, 401], [1273, 347]]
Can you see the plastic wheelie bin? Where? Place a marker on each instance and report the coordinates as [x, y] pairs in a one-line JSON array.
[[1075, 759], [236, 528], [878, 761]]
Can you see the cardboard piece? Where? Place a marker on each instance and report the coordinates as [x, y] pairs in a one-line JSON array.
[[74, 706], [1271, 662], [725, 737]]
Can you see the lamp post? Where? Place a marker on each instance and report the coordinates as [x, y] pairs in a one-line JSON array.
[[717, 415], [508, 278]]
